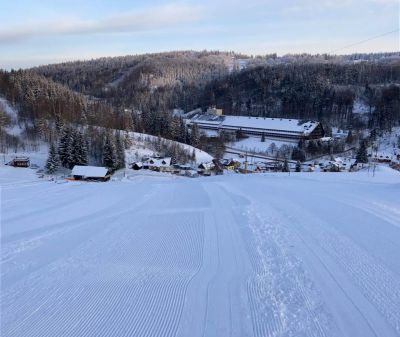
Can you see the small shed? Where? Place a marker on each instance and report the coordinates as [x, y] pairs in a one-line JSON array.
[[205, 168], [95, 173], [20, 162], [381, 157], [137, 166]]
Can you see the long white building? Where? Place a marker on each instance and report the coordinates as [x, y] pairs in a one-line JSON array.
[[258, 126]]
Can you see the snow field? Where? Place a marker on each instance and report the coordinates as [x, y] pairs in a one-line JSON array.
[[258, 255]]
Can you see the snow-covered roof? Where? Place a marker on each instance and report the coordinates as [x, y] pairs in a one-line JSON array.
[[206, 165], [21, 158], [278, 125], [326, 139], [281, 124], [158, 162], [89, 171]]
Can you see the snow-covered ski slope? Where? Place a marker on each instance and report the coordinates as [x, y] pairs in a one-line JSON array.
[[307, 255]]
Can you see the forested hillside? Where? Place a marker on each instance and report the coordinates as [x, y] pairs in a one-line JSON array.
[[134, 80], [41, 102], [299, 86], [323, 91], [140, 92]]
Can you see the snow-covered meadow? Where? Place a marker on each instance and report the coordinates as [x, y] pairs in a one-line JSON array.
[[237, 255]]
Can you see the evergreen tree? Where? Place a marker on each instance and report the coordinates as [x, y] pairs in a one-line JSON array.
[[174, 128], [65, 146], [312, 147], [272, 148], [127, 140], [362, 156], [53, 162], [298, 154], [79, 154], [109, 156], [120, 152], [182, 131], [195, 136]]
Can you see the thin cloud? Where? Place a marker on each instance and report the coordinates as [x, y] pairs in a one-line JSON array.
[[131, 22]]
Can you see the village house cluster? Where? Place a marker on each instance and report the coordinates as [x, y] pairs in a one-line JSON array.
[[164, 164]]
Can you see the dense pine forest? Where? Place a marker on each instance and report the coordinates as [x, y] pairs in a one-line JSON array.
[[140, 92], [300, 86]]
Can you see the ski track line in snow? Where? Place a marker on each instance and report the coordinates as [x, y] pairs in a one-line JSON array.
[[377, 283], [226, 296], [40, 333], [212, 279], [390, 214], [149, 317], [282, 299], [10, 243], [385, 245], [17, 248], [162, 289]]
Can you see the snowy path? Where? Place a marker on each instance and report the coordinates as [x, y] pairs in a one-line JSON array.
[[274, 255]]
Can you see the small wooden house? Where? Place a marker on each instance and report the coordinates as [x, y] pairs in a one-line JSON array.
[[93, 173], [205, 168], [382, 157], [230, 164], [20, 162], [137, 166]]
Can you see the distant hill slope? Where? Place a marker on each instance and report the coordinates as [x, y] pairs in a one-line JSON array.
[[321, 87], [139, 92], [39, 98], [132, 79]]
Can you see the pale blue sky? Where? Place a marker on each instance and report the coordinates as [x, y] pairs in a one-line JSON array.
[[46, 31]]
